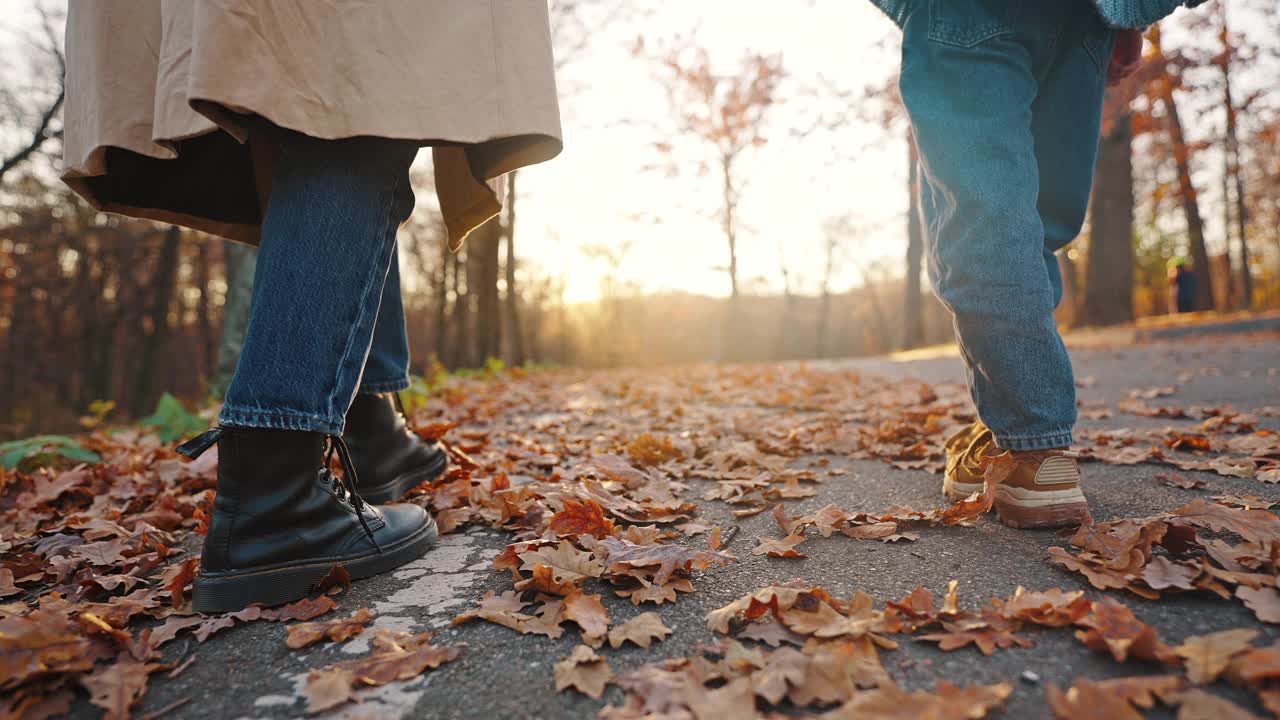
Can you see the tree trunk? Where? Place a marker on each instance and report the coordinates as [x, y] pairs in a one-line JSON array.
[[1070, 289], [824, 306], [729, 334], [913, 302], [1186, 189], [458, 347], [204, 323], [442, 301], [515, 332], [242, 263], [1232, 171], [482, 258], [1108, 294], [162, 284]]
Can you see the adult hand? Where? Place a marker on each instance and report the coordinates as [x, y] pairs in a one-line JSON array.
[[1126, 56]]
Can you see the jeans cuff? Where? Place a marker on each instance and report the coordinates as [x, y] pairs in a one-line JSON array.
[[248, 417], [1020, 443], [383, 386]]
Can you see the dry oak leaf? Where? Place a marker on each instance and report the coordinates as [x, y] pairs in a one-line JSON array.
[[986, 637], [625, 557], [782, 669], [304, 634], [171, 627], [649, 450], [874, 531], [502, 609], [642, 630], [37, 644], [1113, 628], [116, 687], [1252, 525], [1196, 704], [772, 598], [177, 577], [396, 656], [549, 615], [1258, 665], [584, 671], [1264, 602], [581, 518], [588, 612], [780, 547], [304, 609], [569, 562], [1113, 699], [1161, 573], [860, 619], [1050, 608], [771, 633], [656, 594], [948, 702], [1207, 656], [550, 581]]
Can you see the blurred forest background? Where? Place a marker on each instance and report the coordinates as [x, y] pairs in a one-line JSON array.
[[103, 308]]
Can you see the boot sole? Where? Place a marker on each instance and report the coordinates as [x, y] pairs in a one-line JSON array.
[[236, 590], [395, 490]]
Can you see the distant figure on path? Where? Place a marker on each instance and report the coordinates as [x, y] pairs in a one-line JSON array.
[[1182, 286], [292, 124], [1005, 103]]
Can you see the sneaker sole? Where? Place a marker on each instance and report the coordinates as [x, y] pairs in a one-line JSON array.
[[395, 490], [957, 491], [236, 590], [1027, 510]]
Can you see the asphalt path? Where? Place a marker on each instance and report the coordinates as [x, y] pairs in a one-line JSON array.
[[247, 672]]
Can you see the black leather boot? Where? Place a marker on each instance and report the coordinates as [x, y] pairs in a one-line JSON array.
[[389, 457], [281, 520]]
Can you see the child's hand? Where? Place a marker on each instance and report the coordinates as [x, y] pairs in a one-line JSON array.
[[1126, 56]]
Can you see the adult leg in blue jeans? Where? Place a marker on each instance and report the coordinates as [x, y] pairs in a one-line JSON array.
[[1004, 99], [390, 458], [281, 520]]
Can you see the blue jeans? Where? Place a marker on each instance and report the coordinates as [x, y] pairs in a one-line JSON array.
[[326, 319], [1005, 102]]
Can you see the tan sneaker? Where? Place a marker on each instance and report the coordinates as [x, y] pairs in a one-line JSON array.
[[1041, 491], [965, 450]]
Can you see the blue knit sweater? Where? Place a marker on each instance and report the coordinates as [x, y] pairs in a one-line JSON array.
[[1116, 13]]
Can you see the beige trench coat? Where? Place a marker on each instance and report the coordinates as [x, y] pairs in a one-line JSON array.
[[166, 99]]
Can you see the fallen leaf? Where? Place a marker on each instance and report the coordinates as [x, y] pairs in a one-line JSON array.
[[396, 656], [1264, 602], [584, 671], [1207, 656], [588, 612], [780, 547], [581, 518], [642, 630], [304, 634]]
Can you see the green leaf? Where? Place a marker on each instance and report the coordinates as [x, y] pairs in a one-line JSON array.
[[171, 420], [42, 450]]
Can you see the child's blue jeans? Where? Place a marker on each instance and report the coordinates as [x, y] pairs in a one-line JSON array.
[[326, 318], [1005, 102]]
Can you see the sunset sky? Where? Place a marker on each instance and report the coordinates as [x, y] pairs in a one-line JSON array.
[[604, 190]]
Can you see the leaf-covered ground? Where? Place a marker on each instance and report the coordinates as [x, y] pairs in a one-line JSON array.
[[701, 543]]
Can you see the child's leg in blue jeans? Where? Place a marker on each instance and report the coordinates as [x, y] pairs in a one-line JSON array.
[[1003, 98]]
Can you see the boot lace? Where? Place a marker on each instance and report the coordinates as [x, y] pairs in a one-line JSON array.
[[344, 487]]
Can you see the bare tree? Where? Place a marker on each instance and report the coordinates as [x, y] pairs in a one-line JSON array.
[[37, 121], [722, 116]]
